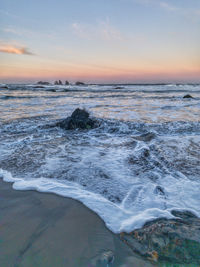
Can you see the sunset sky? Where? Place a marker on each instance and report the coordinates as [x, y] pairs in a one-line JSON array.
[[100, 40]]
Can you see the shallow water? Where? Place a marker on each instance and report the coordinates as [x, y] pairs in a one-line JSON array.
[[141, 163]]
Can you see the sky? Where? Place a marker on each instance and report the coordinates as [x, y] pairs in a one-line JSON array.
[[100, 41]]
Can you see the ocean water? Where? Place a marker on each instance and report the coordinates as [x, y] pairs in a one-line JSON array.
[[140, 164]]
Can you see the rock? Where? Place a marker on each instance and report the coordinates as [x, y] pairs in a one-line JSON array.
[[43, 83], [168, 241], [78, 120], [66, 83], [108, 257], [135, 261], [79, 83], [4, 87], [105, 259], [147, 137], [59, 82], [39, 86], [159, 190], [187, 96], [119, 87]]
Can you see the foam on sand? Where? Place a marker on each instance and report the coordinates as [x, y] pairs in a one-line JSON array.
[[117, 217]]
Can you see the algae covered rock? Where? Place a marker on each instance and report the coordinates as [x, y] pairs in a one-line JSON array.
[[172, 241]]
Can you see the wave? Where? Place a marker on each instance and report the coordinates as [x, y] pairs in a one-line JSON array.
[[142, 88], [128, 173]]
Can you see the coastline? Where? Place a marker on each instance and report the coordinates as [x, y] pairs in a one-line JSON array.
[[42, 229]]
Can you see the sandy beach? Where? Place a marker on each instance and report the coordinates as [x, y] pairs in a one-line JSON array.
[[46, 230]]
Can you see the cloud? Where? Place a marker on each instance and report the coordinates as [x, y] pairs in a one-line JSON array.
[[83, 31], [17, 31], [13, 30], [162, 4], [13, 49], [191, 12], [167, 6], [5, 13], [109, 32], [101, 30]]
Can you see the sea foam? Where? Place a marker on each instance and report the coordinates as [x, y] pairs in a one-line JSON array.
[[118, 218]]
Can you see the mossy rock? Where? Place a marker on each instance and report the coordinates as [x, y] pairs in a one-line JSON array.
[[172, 241]]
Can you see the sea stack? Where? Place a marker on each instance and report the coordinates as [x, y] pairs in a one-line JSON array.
[[66, 82], [59, 82], [79, 83], [43, 83]]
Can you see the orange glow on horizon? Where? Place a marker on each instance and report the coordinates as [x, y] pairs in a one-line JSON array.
[[38, 69]]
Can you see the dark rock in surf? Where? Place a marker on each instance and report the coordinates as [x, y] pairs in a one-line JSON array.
[[4, 87], [119, 87], [39, 86], [43, 83], [175, 241], [159, 190], [79, 83], [78, 120], [66, 83], [187, 96], [146, 137]]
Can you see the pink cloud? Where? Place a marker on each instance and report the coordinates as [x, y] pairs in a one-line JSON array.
[[12, 49]]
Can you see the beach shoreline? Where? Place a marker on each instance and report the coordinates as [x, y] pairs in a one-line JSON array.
[[42, 229]]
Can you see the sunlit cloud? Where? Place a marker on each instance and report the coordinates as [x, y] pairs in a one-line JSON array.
[[13, 49]]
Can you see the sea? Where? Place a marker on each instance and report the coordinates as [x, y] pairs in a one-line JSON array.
[[140, 164]]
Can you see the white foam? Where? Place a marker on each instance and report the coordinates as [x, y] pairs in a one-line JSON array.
[[118, 218]]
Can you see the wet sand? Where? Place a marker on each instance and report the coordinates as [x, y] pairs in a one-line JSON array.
[[38, 229]]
